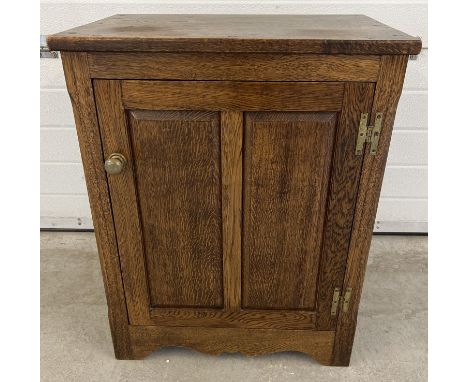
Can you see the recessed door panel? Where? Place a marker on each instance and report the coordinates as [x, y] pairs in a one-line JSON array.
[[286, 175], [176, 156]]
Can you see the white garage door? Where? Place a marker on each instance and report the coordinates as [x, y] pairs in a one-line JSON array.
[[403, 203]]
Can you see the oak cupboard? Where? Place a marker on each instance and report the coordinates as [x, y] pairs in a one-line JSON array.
[[233, 166]]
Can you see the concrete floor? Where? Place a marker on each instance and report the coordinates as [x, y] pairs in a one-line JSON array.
[[390, 344]]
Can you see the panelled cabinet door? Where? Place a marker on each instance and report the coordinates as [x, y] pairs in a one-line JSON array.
[[235, 204]]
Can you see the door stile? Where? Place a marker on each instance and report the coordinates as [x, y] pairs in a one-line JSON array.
[[115, 139], [344, 182], [231, 173]]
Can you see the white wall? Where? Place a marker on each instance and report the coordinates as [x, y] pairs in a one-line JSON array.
[[403, 203]]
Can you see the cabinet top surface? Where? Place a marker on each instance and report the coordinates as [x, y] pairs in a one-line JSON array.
[[319, 34]]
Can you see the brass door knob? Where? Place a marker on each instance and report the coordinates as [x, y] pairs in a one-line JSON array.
[[115, 164]]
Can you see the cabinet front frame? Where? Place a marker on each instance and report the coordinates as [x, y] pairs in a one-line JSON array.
[[233, 66]]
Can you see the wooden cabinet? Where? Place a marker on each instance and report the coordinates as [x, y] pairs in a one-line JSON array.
[[243, 173]]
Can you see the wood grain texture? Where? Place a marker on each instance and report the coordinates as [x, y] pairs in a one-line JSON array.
[[177, 159], [317, 344], [387, 94], [79, 86], [287, 164], [260, 319], [242, 189], [232, 95], [115, 139], [231, 173], [234, 66], [342, 195], [329, 34]]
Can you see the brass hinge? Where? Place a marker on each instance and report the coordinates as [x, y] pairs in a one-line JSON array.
[[370, 134], [339, 300]]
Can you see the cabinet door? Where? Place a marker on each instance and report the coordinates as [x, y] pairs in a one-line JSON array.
[[236, 202]]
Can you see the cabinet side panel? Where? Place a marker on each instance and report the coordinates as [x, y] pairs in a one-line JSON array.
[[287, 166], [79, 86], [387, 94], [178, 177]]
